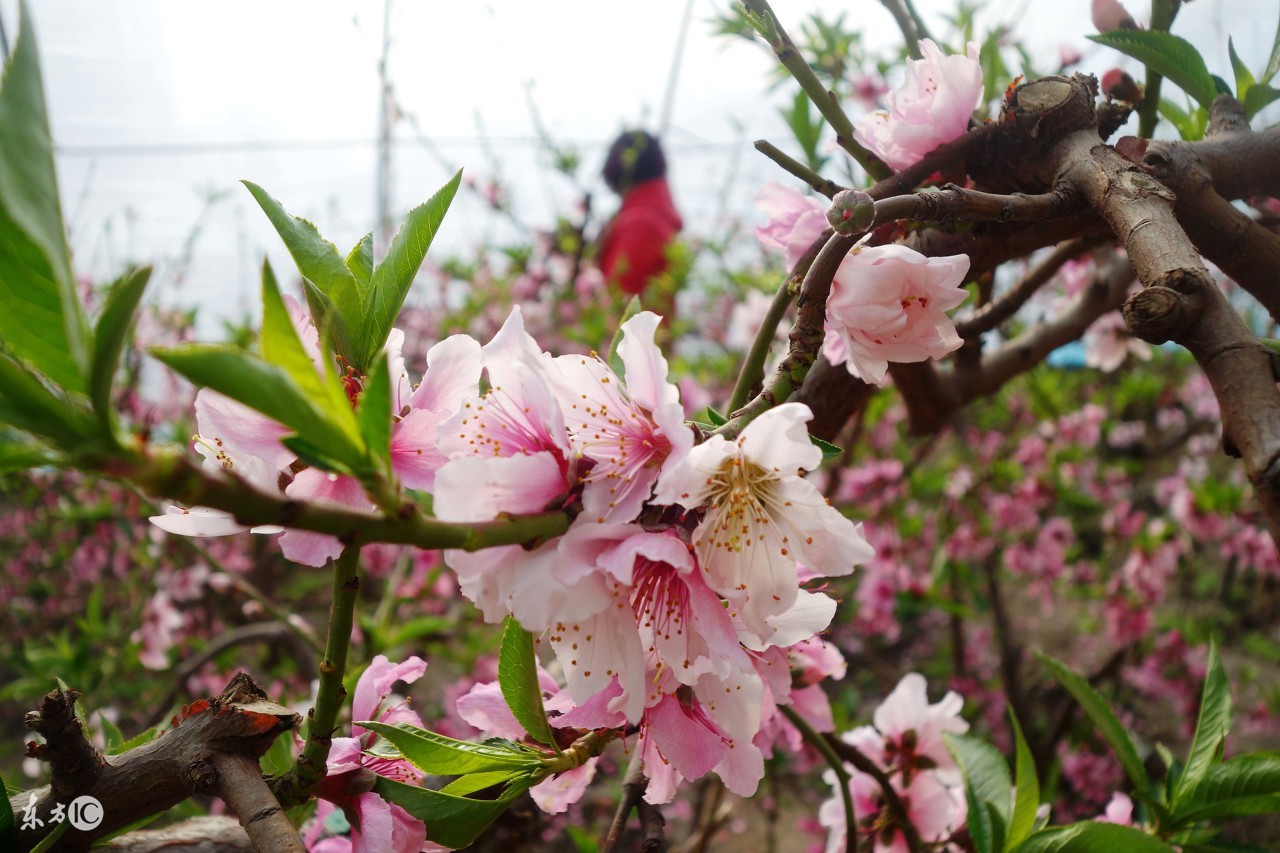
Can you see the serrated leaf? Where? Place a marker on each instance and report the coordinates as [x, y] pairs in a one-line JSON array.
[[360, 259], [518, 679], [281, 345], [1212, 726], [984, 769], [978, 820], [451, 820], [265, 388], [1026, 787], [330, 326], [42, 321], [1093, 837], [110, 335], [319, 262], [1273, 61], [27, 403], [1234, 787], [1170, 56], [829, 450], [394, 275], [443, 756], [472, 782], [716, 419], [1244, 77], [611, 357], [1259, 96], [1103, 718], [374, 413], [313, 457]]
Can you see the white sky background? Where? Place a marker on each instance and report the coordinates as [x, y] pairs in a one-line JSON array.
[[156, 104]]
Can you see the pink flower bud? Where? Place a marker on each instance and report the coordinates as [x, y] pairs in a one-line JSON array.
[[851, 212], [1110, 15]]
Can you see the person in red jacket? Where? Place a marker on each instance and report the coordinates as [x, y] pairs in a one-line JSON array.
[[634, 245]]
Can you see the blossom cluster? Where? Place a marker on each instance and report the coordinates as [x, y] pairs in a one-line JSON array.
[[906, 743], [678, 600]]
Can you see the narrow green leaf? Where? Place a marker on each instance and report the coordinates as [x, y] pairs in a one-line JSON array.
[[443, 756], [1244, 77], [278, 758], [1093, 837], [1027, 789], [27, 403], [715, 418], [611, 357], [42, 321], [317, 259], [281, 346], [1243, 778], [112, 333], [374, 413], [8, 832], [1273, 61], [1259, 96], [330, 325], [986, 770], [20, 454], [518, 678], [451, 820], [829, 450], [1211, 728], [978, 820], [360, 260], [393, 276], [265, 388], [49, 841], [1103, 717], [1171, 56], [472, 782]]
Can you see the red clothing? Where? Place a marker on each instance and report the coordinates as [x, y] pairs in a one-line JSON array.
[[634, 246]]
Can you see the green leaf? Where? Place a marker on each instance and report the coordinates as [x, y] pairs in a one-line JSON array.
[[1259, 96], [1170, 56], [984, 769], [978, 821], [1211, 728], [41, 322], [443, 756], [1027, 789], [8, 831], [394, 275], [265, 388], [518, 678], [330, 325], [20, 454], [111, 334], [1244, 785], [27, 403], [1273, 61], [1103, 717], [1093, 837], [829, 450], [374, 414], [611, 357], [319, 262], [451, 820], [1244, 78], [278, 758], [715, 418], [1190, 126], [472, 782], [281, 345], [360, 260], [49, 841]]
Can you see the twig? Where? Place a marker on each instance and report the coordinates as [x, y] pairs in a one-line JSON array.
[[954, 204], [241, 786], [907, 24], [653, 837], [633, 787], [897, 809], [1001, 309], [823, 745], [766, 23], [790, 164], [295, 786]]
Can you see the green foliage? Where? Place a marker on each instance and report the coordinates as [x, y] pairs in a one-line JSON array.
[[111, 334], [443, 756], [1211, 729], [987, 786], [1026, 789], [41, 322], [806, 126], [452, 820], [518, 679], [1104, 719], [1245, 785], [1093, 837], [1170, 56]]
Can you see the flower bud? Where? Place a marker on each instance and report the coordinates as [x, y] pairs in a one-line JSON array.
[[851, 212], [1109, 15]]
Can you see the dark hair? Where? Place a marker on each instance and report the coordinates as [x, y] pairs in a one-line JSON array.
[[634, 157]]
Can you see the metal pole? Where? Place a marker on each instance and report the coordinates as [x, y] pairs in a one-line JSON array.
[[382, 230], [668, 101]]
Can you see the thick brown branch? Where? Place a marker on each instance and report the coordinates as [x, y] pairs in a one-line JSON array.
[[241, 786], [155, 776], [211, 834]]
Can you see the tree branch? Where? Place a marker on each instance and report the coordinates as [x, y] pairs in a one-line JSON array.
[[241, 786], [797, 169]]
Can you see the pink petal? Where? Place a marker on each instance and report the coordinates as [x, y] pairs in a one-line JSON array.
[[376, 683]]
